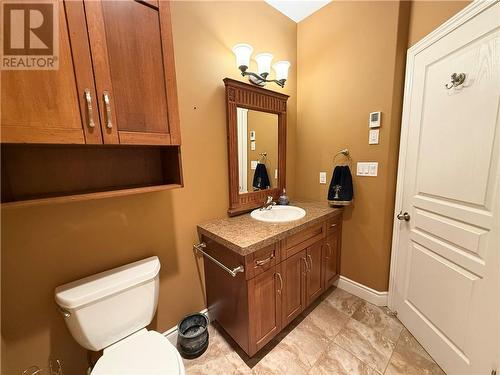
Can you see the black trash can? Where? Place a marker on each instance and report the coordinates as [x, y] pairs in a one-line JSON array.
[[192, 338]]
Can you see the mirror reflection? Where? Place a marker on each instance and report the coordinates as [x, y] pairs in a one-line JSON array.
[[257, 150]]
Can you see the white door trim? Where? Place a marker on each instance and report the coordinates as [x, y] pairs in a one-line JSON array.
[[456, 21]]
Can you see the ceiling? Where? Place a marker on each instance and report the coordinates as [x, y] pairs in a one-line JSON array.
[[297, 10]]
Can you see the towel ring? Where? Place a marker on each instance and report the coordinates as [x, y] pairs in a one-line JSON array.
[[344, 152]]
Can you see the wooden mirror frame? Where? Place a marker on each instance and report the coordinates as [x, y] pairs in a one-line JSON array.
[[239, 94]]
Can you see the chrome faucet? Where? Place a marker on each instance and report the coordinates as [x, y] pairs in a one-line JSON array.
[[269, 203]]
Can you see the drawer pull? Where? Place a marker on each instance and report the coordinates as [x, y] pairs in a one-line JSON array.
[[90, 110], [333, 225], [281, 282], [107, 103], [262, 262], [310, 260]]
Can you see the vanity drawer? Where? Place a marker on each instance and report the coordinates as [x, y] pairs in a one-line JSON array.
[[262, 260], [333, 225], [299, 241]]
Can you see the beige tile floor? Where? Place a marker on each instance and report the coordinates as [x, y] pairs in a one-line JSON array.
[[340, 334]]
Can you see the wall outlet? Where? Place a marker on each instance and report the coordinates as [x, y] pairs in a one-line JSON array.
[[322, 177], [252, 145], [367, 169], [253, 164]]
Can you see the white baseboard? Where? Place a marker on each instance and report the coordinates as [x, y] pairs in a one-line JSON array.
[[362, 291], [171, 334]]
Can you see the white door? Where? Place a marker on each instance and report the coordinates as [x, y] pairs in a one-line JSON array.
[[445, 283]]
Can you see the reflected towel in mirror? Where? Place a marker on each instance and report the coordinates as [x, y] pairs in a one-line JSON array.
[[260, 178]]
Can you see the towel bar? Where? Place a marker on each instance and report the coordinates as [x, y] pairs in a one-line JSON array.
[[233, 272]]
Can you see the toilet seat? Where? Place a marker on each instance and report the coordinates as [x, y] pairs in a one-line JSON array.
[[142, 353]]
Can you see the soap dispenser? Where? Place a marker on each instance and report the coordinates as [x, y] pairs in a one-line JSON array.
[[283, 199]]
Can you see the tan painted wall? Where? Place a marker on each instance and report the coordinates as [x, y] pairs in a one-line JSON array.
[[428, 15], [351, 58], [348, 66], [266, 129], [43, 247]]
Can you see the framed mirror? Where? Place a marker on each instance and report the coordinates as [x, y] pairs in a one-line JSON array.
[[256, 126]]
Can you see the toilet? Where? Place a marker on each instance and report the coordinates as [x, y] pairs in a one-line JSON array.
[[110, 310]]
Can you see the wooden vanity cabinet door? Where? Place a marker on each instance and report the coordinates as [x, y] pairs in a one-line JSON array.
[[48, 106], [331, 256], [264, 308], [314, 282], [293, 271], [133, 59]]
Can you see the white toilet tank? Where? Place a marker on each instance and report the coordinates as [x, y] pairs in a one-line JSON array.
[[104, 308]]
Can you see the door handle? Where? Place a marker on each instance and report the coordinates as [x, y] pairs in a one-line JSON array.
[[310, 260], [107, 104], [403, 216], [281, 283], [90, 110], [329, 250], [305, 262]]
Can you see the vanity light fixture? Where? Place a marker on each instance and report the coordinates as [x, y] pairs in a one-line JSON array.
[[243, 52]]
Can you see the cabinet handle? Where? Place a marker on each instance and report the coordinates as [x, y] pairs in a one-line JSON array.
[[281, 283], [333, 225], [310, 260], [259, 263], [107, 103], [329, 250], [90, 110], [305, 262]]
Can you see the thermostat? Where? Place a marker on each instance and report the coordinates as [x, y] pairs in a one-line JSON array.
[[374, 121]]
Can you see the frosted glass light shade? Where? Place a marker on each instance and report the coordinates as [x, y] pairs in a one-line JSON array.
[[264, 62], [281, 69], [242, 52]]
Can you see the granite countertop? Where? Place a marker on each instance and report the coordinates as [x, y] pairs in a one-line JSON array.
[[245, 235]]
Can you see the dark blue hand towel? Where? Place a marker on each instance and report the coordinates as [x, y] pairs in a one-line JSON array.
[[260, 178]]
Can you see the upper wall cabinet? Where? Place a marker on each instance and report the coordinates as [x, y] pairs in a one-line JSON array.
[[132, 54], [126, 49]]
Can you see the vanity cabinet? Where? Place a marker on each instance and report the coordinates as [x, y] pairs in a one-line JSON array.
[[115, 83], [279, 281]]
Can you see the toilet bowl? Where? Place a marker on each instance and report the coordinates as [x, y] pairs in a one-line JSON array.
[[110, 310]]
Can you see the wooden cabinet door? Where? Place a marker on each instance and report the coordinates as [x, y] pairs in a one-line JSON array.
[[293, 271], [132, 55], [331, 259], [314, 282], [264, 293], [49, 106]]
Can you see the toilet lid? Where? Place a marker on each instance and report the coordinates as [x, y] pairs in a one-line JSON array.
[[144, 353]]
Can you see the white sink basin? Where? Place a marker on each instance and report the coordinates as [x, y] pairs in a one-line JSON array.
[[278, 214]]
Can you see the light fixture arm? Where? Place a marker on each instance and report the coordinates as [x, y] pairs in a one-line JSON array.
[[260, 78]]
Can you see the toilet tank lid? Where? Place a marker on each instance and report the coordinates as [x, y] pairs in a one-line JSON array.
[[92, 288]]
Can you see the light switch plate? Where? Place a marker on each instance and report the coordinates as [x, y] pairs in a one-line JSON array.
[[373, 138], [252, 135], [252, 145], [322, 177], [253, 164], [367, 169]]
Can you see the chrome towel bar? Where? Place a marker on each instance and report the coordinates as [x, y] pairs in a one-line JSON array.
[[233, 272]]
